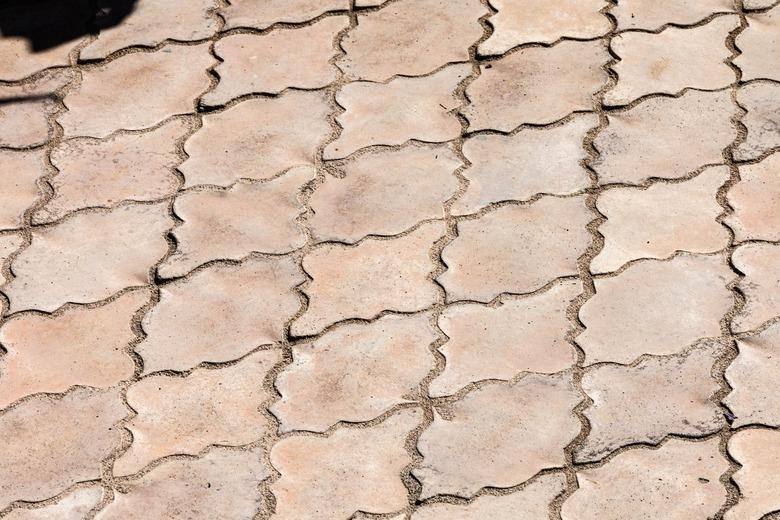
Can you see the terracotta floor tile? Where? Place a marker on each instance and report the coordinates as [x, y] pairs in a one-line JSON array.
[[762, 121], [760, 46], [499, 435], [516, 249], [352, 469], [652, 15], [678, 481], [755, 200], [261, 14], [536, 85], [757, 453], [19, 184], [72, 506], [411, 38]]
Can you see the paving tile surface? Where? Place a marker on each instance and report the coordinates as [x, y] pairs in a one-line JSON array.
[[404, 259]]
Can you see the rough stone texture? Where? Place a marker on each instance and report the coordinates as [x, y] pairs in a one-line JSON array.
[[104, 173], [530, 503], [660, 220], [88, 257], [760, 264], [758, 453], [274, 61], [352, 469], [762, 120], [50, 444], [411, 38], [755, 200], [261, 14], [19, 184], [672, 60], [137, 91], [220, 314], [72, 506], [516, 249], [184, 415], [652, 15], [520, 166], [247, 142], [665, 137], [221, 484], [760, 46], [520, 335], [536, 85], [753, 379], [678, 481], [646, 402], [80, 346], [542, 21], [499, 435], [151, 23], [384, 192], [398, 111], [363, 280], [354, 373], [656, 308], [244, 219]]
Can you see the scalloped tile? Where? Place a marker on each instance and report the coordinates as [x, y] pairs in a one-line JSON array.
[[762, 120], [19, 184], [755, 201], [756, 451], [653, 15], [261, 14], [760, 46], [760, 263]]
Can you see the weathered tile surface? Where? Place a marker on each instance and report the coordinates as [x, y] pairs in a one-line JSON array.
[[755, 201], [760, 264], [19, 190], [536, 85], [516, 249], [678, 481], [760, 46], [758, 453], [653, 15], [261, 14], [72, 506], [762, 120], [499, 435]]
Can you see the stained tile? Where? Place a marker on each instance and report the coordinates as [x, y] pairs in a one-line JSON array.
[[19, 184], [520, 335], [384, 192], [652, 15], [499, 435], [354, 373], [758, 454], [644, 403], [398, 111], [516, 249], [755, 201], [760, 46], [660, 220], [536, 85], [261, 14], [762, 120], [760, 264]]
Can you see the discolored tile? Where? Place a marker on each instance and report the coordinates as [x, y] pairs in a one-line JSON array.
[[89, 257], [678, 481], [151, 23], [103, 173], [665, 137], [753, 379], [660, 220], [354, 373], [246, 141], [516, 249], [531, 503], [232, 224], [184, 415], [520, 166], [220, 314], [365, 279], [520, 335], [645, 403], [72, 506], [398, 111], [411, 38], [351, 469], [760, 264], [137, 91], [536, 85], [80, 346], [542, 21], [672, 60], [19, 191], [221, 484], [51, 444], [760, 46], [499, 435], [384, 192], [755, 200], [762, 120], [652, 15], [656, 308], [758, 454], [261, 14], [272, 62]]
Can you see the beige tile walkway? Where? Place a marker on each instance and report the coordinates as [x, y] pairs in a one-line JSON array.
[[401, 259]]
